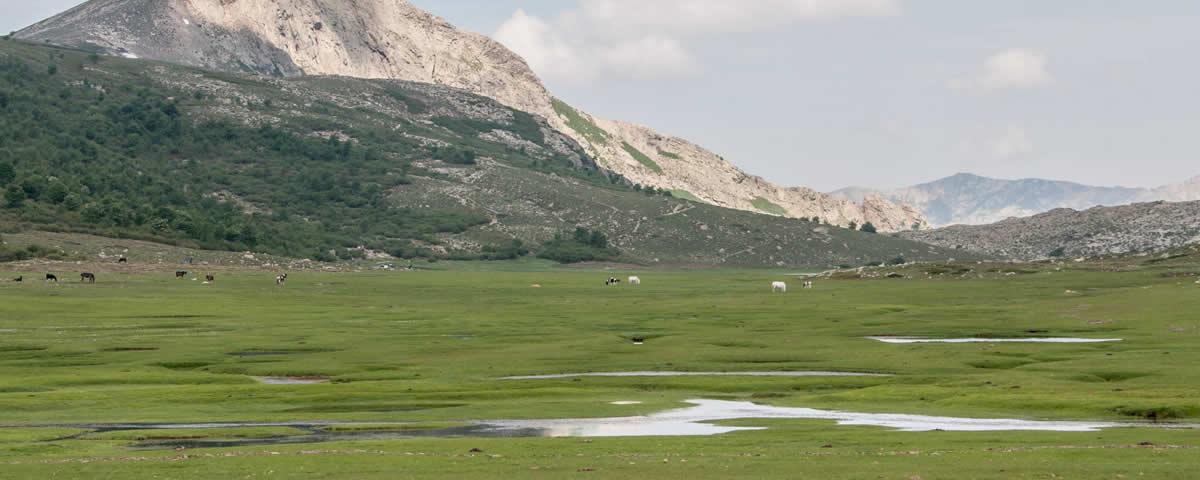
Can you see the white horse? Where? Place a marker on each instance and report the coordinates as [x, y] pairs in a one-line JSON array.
[[778, 287], [635, 281]]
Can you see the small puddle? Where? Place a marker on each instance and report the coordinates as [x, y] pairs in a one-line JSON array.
[[909, 340], [292, 380], [696, 374]]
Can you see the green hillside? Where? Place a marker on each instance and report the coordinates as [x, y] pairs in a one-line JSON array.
[[315, 167]]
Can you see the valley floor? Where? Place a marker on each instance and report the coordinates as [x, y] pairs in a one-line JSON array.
[[402, 353]]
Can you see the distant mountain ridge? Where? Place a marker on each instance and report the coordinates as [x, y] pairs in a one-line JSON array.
[[966, 199], [391, 39], [1137, 228]]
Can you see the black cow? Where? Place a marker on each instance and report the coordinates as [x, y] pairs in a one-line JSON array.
[[87, 277], [612, 281], [19, 279], [210, 278], [281, 279], [180, 274], [122, 260], [51, 278]]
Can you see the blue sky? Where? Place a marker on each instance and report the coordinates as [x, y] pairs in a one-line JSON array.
[[830, 93]]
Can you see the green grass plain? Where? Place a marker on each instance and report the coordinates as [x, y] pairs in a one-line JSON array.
[[428, 348]]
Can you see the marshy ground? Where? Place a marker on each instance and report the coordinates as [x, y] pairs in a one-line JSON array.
[[403, 365]]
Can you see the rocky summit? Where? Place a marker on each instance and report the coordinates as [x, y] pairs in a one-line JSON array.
[[391, 39]]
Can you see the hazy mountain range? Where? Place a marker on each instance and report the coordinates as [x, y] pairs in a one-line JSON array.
[[974, 200]]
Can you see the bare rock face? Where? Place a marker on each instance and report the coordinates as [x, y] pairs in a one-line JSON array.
[[395, 40]]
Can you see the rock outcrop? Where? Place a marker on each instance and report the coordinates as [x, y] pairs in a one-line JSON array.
[[395, 40], [1137, 228]]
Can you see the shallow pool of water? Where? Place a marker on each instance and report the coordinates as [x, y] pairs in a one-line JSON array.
[[698, 419], [910, 340]]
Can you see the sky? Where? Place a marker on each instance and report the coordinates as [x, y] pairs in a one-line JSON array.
[[877, 93]]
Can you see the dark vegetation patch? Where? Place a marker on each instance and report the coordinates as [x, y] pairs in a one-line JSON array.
[[582, 245], [764, 359], [998, 364], [371, 407], [948, 270], [16, 389], [269, 352], [1156, 413], [1111, 376], [130, 349], [168, 317], [183, 365], [68, 143], [1166, 258], [22, 348], [29, 252], [738, 344]]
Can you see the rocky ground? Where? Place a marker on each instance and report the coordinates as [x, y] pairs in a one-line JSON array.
[[1137, 228]]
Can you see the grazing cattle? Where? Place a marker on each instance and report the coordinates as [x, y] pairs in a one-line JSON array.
[[635, 281], [779, 287], [808, 285], [87, 277], [210, 278], [281, 279], [19, 279], [51, 278], [638, 340], [122, 260], [613, 281], [180, 274]]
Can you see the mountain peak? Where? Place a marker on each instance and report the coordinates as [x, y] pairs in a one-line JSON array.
[[391, 39]]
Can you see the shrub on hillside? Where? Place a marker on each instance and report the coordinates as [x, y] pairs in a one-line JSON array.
[[582, 245]]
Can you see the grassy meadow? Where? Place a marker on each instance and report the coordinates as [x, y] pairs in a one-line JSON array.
[[428, 348]]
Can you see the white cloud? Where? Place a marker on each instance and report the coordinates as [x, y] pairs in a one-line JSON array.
[[649, 38], [1013, 142], [1011, 69]]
